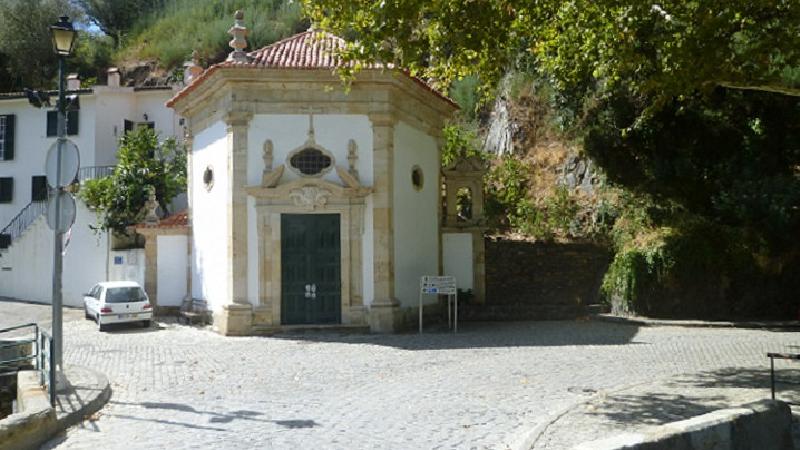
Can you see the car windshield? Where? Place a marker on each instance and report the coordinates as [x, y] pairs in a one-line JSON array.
[[125, 295]]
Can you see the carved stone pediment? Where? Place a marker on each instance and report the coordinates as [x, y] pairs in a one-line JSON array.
[[464, 166], [308, 193]]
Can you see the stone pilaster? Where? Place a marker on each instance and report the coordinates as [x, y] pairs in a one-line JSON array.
[[236, 316], [151, 268], [384, 310]]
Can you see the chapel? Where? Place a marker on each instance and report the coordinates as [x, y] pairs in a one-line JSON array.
[[311, 202]]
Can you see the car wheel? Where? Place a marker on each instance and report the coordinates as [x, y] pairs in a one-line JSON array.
[[145, 324]]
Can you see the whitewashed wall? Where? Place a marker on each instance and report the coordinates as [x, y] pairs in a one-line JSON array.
[[288, 132], [209, 217], [127, 265], [31, 145], [416, 223], [101, 125], [172, 262], [457, 256], [26, 267]]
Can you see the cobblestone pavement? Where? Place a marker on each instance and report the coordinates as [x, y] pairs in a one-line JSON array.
[[489, 386]]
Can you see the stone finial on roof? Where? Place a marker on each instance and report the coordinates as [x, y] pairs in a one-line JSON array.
[[192, 68], [239, 41]]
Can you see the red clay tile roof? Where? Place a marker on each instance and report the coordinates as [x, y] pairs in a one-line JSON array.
[[178, 220], [307, 50]]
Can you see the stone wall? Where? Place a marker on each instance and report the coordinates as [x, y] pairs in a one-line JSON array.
[[539, 281]]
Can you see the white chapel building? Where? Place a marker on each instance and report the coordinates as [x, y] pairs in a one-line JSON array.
[[311, 203]]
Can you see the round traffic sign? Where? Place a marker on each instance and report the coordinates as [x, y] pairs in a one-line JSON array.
[[70, 162], [61, 212]]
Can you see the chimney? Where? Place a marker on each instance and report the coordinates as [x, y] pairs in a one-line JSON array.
[[73, 82], [113, 77]]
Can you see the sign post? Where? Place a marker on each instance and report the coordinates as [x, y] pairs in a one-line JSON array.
[[440, 285]]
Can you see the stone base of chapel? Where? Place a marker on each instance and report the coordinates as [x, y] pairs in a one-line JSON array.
[[234, 320], [385, 317]]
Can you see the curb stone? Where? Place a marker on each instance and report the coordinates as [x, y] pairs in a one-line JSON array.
[[646, 322]]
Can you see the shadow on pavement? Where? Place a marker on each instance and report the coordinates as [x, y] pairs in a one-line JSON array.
[[696, 394], [486, 335], [215, 416]]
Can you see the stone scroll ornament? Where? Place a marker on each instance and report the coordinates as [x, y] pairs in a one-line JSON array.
[[310, 197]]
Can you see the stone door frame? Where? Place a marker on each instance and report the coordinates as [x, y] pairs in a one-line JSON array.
[[309, 196]]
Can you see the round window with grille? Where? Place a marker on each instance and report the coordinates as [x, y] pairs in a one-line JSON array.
[[310, 161]]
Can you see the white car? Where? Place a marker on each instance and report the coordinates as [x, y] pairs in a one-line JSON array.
[[117, 302]]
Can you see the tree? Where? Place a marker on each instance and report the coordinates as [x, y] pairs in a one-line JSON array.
[[116, 17], [663, 50], [119, 199], [25, 40]]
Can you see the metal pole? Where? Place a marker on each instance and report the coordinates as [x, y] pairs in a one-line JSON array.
[[772, 375], [57, 257]]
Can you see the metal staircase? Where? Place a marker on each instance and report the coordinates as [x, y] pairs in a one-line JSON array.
[[21, 222], [33, 210]]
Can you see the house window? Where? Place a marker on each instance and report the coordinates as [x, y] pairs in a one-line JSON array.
[[52, 123], [130, 125], [310, 161], [6, 189], [38, 188], [6, 137]]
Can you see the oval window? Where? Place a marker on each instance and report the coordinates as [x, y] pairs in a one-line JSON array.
[[416, 178], [208, 178], [310, 161]]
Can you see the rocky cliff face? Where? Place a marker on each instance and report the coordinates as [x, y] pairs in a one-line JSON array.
[[520, 125]]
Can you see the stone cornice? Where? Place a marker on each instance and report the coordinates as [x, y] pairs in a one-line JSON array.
[[285, 91]]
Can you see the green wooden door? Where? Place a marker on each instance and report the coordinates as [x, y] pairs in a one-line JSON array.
[[311, 283]]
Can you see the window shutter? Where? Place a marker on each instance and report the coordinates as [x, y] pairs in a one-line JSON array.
[[38, 188], [52, 123], [6, 189], [8, 144], [72, 123]]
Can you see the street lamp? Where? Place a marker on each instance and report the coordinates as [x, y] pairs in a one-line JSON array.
[[64, 36], [64, 39]]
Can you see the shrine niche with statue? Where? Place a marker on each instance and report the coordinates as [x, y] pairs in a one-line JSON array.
[[464, 226]]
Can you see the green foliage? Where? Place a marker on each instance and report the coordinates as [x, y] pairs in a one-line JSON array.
[[25, 41], [116, 17], [170, 34], [465, 92], [460, 141], [507, 204], [119, 199]]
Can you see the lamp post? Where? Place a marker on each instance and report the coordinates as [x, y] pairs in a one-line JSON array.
[[64, 38]]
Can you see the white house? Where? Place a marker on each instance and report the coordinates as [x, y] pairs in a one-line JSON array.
[[26, 133], [310, 203]]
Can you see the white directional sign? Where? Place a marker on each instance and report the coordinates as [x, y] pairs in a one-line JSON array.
[[438, 285], [70, 160]]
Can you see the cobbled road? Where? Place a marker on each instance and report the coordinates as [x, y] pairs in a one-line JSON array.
[[490, 386]]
